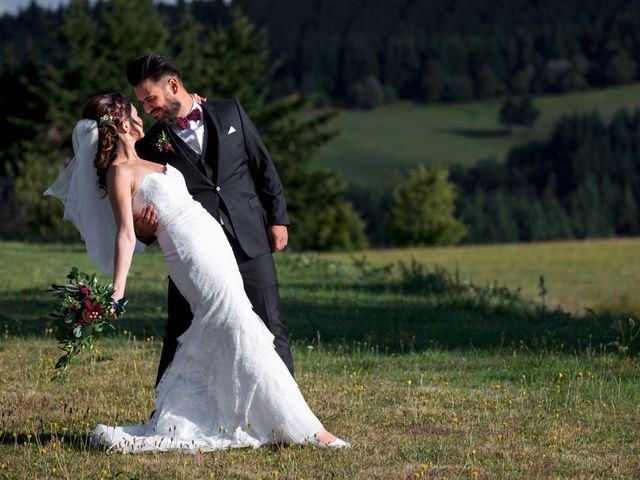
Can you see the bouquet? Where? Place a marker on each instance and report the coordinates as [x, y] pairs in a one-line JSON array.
[[84, 312]]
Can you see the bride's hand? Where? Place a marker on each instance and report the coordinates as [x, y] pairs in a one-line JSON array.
[[115, 298], [199, 100], [119, 304]]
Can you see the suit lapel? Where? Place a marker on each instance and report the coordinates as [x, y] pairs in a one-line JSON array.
[[182, 148], [216, 121], [205, 141]]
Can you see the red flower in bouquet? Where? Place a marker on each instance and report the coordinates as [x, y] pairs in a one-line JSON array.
[[85, 310]]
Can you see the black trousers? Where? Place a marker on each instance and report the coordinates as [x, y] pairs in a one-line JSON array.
[[261, 286]]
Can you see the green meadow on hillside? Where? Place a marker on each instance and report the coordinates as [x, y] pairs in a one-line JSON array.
[[376, 145]]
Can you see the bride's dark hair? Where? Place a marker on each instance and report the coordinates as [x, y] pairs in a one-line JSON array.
[[109, 111]]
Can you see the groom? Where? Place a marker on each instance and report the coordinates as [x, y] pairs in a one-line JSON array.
[[229, 171]]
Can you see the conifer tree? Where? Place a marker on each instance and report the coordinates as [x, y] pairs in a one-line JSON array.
[[520, 112], [73, 77], [501, 224], [66, 83], [187, 45], [234, 62], [423, 210], [626, 213], [126, 30]]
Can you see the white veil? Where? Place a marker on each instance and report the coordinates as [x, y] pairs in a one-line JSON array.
[[84, 205]]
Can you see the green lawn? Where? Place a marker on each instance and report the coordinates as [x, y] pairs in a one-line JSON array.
[[426, 384], [375, 145]]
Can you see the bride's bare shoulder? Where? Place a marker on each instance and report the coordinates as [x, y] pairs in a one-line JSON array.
[[120, 169], [121, 173]]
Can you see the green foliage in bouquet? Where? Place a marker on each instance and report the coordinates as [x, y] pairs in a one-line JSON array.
[[84, 312]]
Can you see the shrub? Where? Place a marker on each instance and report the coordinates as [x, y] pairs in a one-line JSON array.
[[423, 210]]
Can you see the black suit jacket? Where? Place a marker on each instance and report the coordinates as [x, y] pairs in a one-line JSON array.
[[243, 163]]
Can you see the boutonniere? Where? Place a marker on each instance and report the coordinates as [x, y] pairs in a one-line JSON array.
[[164, 143]]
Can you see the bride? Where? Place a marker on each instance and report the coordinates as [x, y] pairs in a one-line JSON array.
[[227, 386]]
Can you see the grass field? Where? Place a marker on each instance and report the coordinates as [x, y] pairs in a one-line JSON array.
[[596, 274], [424, 383], [377, 144]]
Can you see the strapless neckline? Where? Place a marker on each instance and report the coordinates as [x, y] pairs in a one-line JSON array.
[[163, 173]]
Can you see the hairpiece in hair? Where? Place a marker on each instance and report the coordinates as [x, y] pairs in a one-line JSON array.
[[105, 121]]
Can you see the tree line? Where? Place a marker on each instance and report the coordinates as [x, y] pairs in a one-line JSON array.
[[362, 53], [91, 47], [582, 182]]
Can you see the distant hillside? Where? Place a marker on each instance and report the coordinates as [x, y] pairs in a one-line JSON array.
[[376, 145]]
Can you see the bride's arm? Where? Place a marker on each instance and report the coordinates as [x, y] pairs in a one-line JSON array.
[[120, 186]]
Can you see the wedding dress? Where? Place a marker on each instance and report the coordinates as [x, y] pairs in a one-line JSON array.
[[227, 386]]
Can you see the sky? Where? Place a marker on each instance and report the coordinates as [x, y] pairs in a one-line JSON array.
[[13, 6]]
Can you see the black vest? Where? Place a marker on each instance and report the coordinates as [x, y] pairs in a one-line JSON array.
[[207, 163]]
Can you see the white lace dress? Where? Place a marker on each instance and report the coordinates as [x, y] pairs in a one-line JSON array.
[[227, 386]]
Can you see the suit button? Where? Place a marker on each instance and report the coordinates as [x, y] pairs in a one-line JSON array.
[[217, 189]]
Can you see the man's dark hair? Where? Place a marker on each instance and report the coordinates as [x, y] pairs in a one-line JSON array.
[[151, 66]]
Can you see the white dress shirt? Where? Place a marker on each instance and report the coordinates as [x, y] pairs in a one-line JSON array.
[[194, 134]]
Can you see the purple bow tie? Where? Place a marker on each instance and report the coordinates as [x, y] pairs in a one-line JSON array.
[[183, 122]]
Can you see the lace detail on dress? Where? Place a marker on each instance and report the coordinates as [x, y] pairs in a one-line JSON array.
[[155, 192], [227, 386]]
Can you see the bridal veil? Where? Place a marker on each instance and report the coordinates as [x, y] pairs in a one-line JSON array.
[[84, 204]]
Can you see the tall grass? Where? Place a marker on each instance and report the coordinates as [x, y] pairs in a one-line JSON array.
[[600, 275]]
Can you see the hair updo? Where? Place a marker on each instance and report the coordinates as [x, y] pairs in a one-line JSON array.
[[109, 111]]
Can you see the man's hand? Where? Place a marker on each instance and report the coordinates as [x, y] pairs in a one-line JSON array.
[[278, 237], [146, 222]]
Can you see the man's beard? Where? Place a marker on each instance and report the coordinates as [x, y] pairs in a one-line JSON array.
[[171, 110]]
